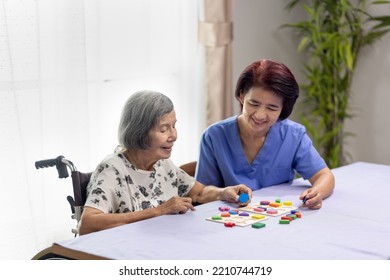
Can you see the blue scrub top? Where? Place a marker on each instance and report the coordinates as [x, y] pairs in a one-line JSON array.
[[287, 149]]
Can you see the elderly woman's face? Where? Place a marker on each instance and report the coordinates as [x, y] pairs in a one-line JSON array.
[[162, 136]]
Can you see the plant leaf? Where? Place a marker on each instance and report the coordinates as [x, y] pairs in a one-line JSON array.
[[303, 43]]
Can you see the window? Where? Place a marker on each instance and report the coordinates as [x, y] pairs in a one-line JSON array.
[[66, 69]]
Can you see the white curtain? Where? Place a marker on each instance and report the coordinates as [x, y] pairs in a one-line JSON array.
[[66, 68]]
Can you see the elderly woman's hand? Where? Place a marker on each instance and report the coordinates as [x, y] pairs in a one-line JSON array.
[[176, 205], [232, 194]]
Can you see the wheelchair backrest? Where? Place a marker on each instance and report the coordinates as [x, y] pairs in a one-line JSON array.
[[80, 182]]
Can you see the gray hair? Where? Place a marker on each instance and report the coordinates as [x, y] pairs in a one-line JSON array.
[[141, 112]]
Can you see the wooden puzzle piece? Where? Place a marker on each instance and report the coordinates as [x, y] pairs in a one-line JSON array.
[[244, 197]]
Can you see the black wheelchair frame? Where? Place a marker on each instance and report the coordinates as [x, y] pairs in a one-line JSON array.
[[80, 181]]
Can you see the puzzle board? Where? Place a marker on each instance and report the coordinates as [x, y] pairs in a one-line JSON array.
[[281, 210], [241, 221]]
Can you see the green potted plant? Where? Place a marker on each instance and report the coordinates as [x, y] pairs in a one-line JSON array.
[[331, 39]]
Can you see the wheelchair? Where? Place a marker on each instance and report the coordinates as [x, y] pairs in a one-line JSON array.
[[80, 181]]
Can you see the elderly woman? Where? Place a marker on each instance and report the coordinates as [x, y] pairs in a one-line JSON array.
[[139, 181], [261, 147]]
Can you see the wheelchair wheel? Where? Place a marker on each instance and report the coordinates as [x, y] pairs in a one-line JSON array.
[[46, 254]]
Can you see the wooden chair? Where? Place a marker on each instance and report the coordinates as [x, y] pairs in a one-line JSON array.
[[189, 168]]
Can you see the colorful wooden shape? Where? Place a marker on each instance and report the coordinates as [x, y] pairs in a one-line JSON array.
[[272, 211], [258, 225], [244, 197], [229, 224]]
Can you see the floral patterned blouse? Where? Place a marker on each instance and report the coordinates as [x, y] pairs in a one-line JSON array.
[[117, 186]]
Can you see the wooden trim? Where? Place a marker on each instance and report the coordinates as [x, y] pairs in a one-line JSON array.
[[73, 254]]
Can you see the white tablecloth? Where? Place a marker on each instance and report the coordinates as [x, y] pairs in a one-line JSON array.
[[353, 223]]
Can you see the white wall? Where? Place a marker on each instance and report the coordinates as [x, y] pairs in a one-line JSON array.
[[257, 35]]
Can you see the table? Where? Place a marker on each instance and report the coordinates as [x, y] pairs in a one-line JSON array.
[[353, 224]]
